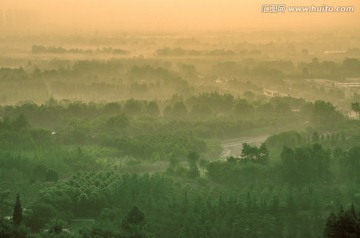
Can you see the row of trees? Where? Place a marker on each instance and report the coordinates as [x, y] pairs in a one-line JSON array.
[[40, 49], [300, 165]]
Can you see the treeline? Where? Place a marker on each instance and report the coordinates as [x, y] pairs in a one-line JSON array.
[[40, 49], [350, 67], [90, 79], [185, 52], [293, 139], [202, 106], [299, 166], [113, 79], [113, 132], [277, 70], [207, 115], [16, 74]]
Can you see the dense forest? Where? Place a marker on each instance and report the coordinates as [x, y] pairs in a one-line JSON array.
[[216, 135], [128, 169]]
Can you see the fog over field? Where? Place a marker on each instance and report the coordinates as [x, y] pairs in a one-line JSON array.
[[141, 119]]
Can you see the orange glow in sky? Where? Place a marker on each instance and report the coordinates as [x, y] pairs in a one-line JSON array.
[[179, 14]]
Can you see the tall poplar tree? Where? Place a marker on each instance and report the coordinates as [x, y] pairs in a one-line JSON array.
[[17, 215]]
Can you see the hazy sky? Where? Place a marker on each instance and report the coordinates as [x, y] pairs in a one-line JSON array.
[[179, 14]]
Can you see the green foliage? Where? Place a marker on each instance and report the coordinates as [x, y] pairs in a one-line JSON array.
[[254, 154], [351, 164], [264, 206], [9, 230], [18, 123], [289, 139], [101, 230], [135, 217], [344, 224], [243, 108], [355, 107], [42, 214], [179, 110], [205, 103], [320, 113], [69, 156], [56, 226], [201, 110], [39, 172], [305, 164], [193, 171], [118, 122], [147, 146], [51, 175], [9, 74], [249, 196], [153, 109], [193, 157], [133, 107], [18, 213]]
